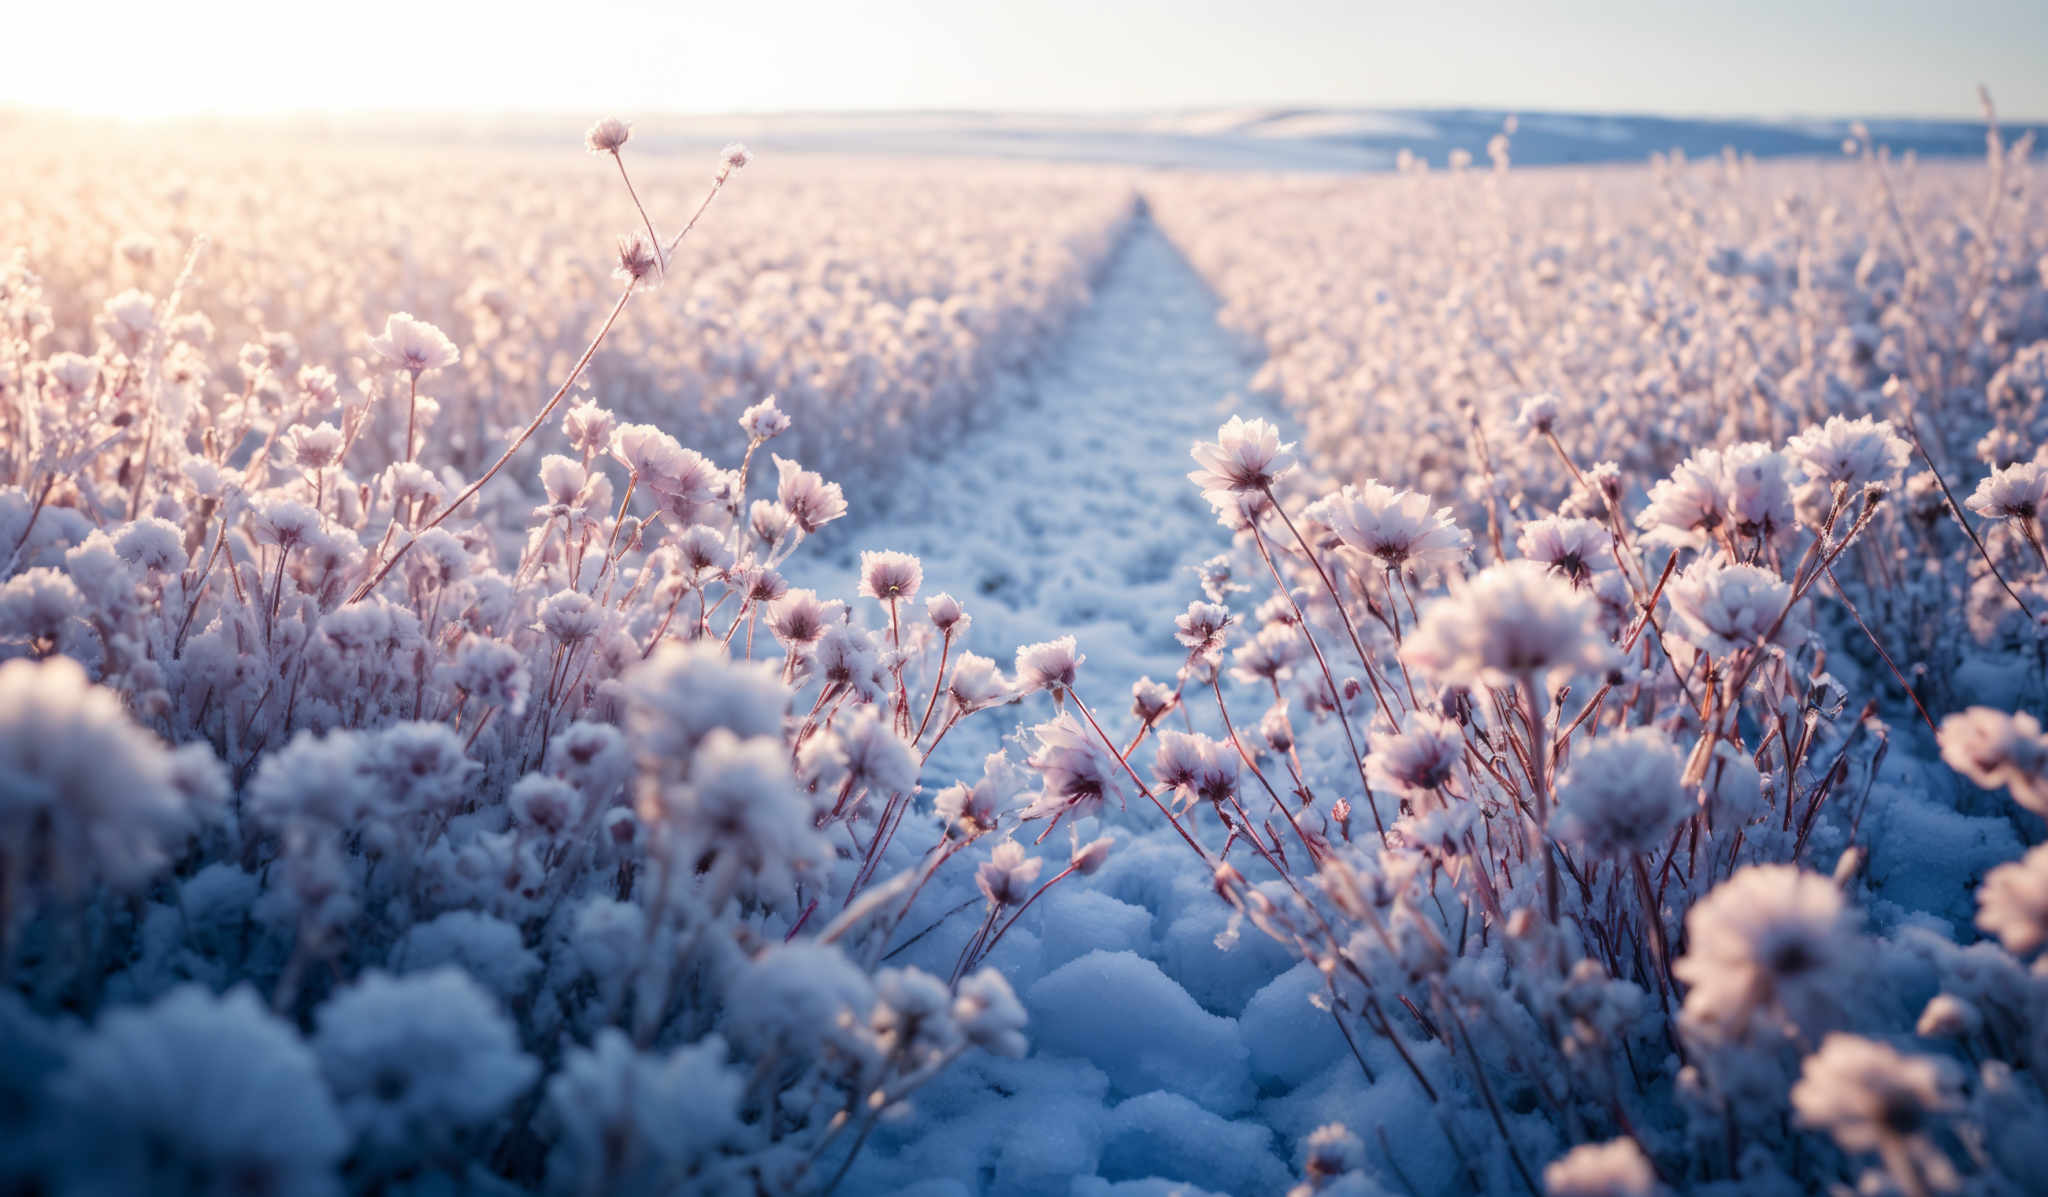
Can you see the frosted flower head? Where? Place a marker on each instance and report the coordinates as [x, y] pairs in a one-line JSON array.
[[798, 618], [1995, 749], [647, 452], [888, 576], [683, 693], [1575, 549], [1421, 755], [976, 683], [414, 1061], [607, 135], [1513, 621], [86, 796], [414, 345], [1150, 700], [734, 156], [570, 617], [491, 673], [1770, 935], [314, 448], [1538, 415], [1724, 606], [1331, 1151], [214, 1091], [1622, 796], [945, 613], [989, 1015], [1007, 876], [1202, 766], [1854, 453], [1200, 628], [810, 500], [1049, 665], [1246, 455], [2012, 903], [2017, 492], [1398, 529], [637, 259], [1616, 1168], [1867, 1095], [764, 421], [1075, 774]]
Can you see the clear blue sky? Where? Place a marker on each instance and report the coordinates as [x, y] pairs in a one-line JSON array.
[[1735, 57]]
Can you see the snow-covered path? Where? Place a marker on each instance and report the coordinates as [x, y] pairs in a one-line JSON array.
[[1072, 514]]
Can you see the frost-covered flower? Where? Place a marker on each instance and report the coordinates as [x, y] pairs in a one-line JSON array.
[[1006, 877], [1075, 774], [1049, 665], [628, 1121], [1538, 414], [764, 421], [988, 1013], [1331, 1151], [810, 500], [888, 576], [1201, 626], [977, 683], [492, 673], [2012, 903], [314, 448], [1513, 621], [1616, 1168], [1854, 452], [1995, 749], [1576, 549], [735, 156], [414, 1061], [1246, 455], [945, 613], [648, 453], [876, 757], [607, 135], [847, 656], [1868, 1096], [1397, 528], [211, 1094], [1190, 761], [1420, 755], [570, 617], [2017, 492], [1771, 934], [414, 345], [913, 1018], [682, 693], [86, 796], [637, 259], [1725, 606], [1622, 795], [1150, 700]]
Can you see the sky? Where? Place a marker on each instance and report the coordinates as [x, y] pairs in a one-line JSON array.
[[639, 57]]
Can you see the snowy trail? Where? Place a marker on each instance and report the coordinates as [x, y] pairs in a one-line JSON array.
[[1073, 515]]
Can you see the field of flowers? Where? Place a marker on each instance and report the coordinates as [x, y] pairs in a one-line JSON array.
[[455, 736]]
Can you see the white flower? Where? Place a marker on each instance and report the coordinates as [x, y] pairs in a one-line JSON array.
[[1616, 1168], [945, 613], [764, 421], [1576, 549], [1193, 762], [1724, 606], [413, 1061], [810, 500], [492, 673], [734, 156], [913, 1018], [1771, 934], [1245, 456], [1868, 1096], [1397, 528], [976, 683], [1075, 774], [1852, 452], [86, 796], [2017, 492], [1513, 621], [682, 693], [888, 576], [1995, 749], [1538, 414], [214, 1092], [2012, 903], [1005, 878], [414, 345], [607, 135], [627, 1121], [1050, 665], [1419, 756], [1622, 795], [989, 1014]]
